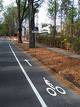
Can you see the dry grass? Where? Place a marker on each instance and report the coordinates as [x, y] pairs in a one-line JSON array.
[[62, 66]]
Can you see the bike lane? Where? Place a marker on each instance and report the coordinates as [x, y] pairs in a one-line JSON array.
[[15, 91], [46, 85]]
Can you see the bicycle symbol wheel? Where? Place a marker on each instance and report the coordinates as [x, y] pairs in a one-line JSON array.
[[60, 90], [51, 91]]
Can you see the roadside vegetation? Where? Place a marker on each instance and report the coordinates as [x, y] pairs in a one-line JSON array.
[[63, 68], [68, 36]]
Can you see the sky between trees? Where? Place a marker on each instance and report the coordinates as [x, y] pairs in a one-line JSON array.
[[43, 11]]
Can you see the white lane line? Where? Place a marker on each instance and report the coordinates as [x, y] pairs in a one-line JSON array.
[[28, 62], [29, 80]]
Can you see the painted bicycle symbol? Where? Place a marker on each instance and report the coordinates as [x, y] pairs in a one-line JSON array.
[[53, 90]]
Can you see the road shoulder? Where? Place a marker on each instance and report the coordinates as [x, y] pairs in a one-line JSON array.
[[57, 71]]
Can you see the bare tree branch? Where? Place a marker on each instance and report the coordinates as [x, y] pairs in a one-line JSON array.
[[24, 9]]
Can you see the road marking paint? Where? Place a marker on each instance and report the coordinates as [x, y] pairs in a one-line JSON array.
[[28, 62], [29, 80], [52, 90], [60, 90]]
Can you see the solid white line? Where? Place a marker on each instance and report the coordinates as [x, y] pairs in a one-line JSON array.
[[28, 62], [29, 80]]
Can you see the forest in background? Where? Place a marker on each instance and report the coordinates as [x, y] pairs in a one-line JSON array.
[[68, 12]]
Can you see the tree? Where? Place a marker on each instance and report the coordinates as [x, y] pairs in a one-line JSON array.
[[78, 9], [33, 6], [61, 14], [1, 5], [65, 5], [22, 13], [53, 9], [9, 24], [72, 13], [68, 12], [10, 20]]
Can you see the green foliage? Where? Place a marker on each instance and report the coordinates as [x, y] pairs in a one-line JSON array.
[[53, 8], [76, 44], [3, 29], [1, 5], [65, 5], [72, 12], [9, 25]]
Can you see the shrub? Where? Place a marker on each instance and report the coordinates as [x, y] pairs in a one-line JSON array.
[[65, 42], [76, 44]]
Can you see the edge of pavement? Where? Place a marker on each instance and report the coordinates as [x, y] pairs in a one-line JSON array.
[[57, 77]]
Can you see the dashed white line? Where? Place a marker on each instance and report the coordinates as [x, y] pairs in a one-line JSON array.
[[29, 80], [28, 62]]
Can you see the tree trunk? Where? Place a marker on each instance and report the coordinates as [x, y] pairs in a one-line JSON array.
[[20, 34], [31, 25], [72, 20], [19, 24], [61, 19], [55, 24], [78, 9]]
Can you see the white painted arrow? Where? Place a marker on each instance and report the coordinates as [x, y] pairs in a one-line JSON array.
[[28, 62]]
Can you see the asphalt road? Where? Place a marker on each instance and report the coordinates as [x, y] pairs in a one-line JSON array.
[[25, 83]]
